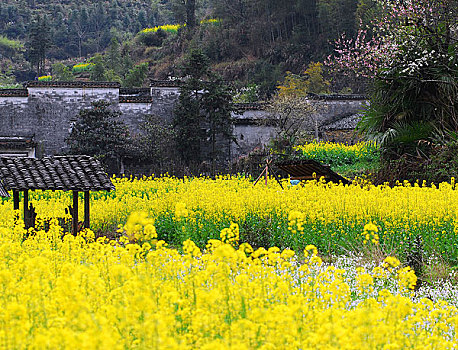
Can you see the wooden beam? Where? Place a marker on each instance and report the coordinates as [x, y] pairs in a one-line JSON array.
[[259, 177], [15, 199], [86, 209], [75, 213]]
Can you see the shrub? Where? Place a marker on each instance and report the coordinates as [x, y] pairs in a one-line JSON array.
[[82, 67], [45, 78], [152, 37]]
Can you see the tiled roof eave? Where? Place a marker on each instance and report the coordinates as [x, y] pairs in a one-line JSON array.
[[66, 173]]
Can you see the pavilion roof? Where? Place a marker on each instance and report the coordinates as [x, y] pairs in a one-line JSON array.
[[3, 192], [309, 169], [66, 173]]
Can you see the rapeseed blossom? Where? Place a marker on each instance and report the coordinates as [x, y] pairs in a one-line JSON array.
[[331, 216], [65, 291]]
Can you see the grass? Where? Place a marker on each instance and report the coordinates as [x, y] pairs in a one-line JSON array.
[[357, 169]]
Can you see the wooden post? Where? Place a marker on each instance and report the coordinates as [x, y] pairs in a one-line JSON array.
[[86, 209], [75, 213], [26, 205], [15, 199], [267, 172]]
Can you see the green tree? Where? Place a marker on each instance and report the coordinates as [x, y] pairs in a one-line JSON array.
[[98, 132], [9, 48], [98, 70], [156, 144], [184, 11], [38, 43], [61, 72], [136, 75], [203, 112], [111, 75], [337, 17], [114, 55], [7, 80]]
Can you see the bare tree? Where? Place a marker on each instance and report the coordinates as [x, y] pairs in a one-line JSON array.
[[292, 117]]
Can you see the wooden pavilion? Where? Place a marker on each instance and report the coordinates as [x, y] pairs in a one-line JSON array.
[[78, 173]]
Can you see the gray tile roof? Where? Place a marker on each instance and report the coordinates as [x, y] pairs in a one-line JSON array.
[[73, 84], [14, 93], [342, 122], [166, 83], [77, 173]]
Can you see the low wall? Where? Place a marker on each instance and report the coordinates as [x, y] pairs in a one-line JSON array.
[[47, 110]]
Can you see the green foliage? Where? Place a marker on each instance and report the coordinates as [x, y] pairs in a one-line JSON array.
[[38, 43], [271, 229], [137, 75], [113, 55], [79, 28], [99, 132], [157, 144], [247, 94], [82, 67], [272, 37], [266, 76], [203, 111], [440, 166], [98, 69], [153, 37], [61, 72], [7, 80], [339, 17], [110, 75], [413, 98], [406, 111], [9, 48]]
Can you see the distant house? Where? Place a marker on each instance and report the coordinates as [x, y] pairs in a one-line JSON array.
[[17, 146]]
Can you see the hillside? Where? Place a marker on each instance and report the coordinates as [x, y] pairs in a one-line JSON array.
[[249, 41]]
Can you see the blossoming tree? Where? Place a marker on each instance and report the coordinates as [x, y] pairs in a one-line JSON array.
[[409, 53]]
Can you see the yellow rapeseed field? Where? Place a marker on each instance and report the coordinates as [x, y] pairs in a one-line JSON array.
[[236, 197], [64, 292], [198, 208]]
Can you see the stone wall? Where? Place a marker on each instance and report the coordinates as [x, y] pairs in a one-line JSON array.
[[252, 129], [47, 110], [134, 114], [164, 99]]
